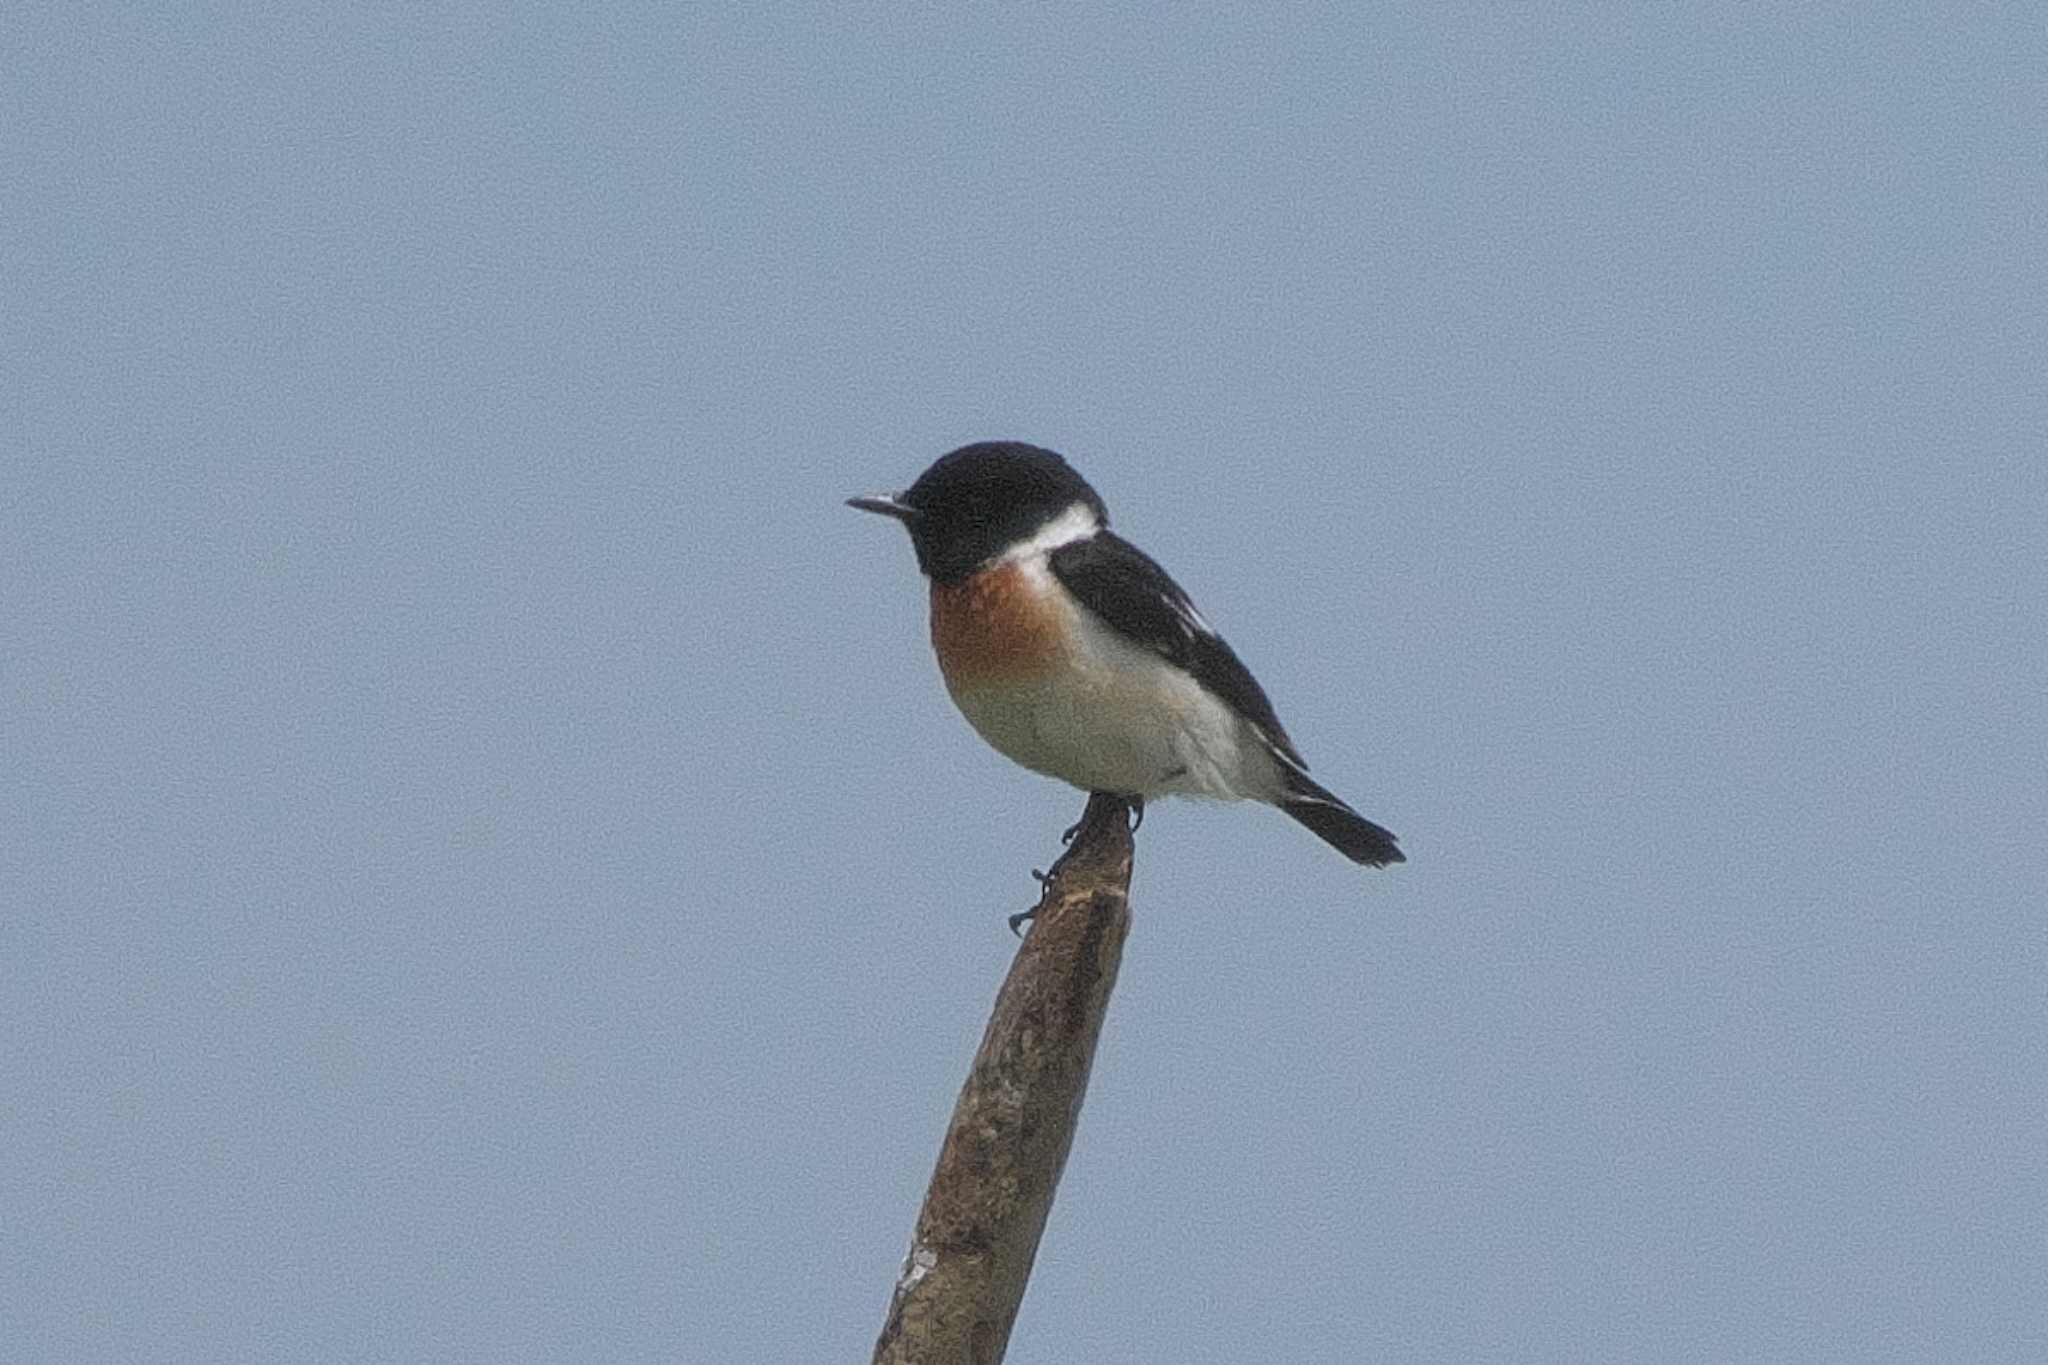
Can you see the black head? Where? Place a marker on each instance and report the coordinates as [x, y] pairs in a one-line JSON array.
[[981, 499]]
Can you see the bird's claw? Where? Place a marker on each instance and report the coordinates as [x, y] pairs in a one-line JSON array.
[[1136, 804], [1046, 880]]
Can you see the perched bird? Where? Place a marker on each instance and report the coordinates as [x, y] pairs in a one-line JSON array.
[[1074, 654]]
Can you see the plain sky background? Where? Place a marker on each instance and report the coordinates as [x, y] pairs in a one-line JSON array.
[[490, 872]]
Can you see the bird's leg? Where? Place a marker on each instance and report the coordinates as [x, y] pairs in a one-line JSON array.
[[1046, 882], [1136, 803], [1101, 806]]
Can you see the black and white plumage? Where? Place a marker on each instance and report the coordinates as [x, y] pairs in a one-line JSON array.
[[1075, 654]]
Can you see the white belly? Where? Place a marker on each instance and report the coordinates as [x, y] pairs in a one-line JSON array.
[[1119, 718]]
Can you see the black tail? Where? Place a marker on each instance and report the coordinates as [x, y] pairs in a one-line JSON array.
[[1339, 826]]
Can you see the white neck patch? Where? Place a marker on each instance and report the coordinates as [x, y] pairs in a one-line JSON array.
[[1078, 522]]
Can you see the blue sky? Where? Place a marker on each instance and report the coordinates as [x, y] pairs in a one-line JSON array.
[[491, 870]]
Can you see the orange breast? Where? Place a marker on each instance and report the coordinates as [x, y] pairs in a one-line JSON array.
[[994, 628]]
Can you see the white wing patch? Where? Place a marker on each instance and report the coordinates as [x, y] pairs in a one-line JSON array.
[[1280, 754], [1191, 623]]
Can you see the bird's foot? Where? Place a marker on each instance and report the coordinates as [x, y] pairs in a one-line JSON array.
[[1137, 805], [1101, 806], [1046, 882]]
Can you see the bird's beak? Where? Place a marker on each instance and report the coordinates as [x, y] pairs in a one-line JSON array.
[[888, 507]]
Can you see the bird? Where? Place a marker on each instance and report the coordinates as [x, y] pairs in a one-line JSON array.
[[1073, 653]]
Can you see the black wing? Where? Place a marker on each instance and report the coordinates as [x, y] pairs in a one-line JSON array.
[[1121, 584]]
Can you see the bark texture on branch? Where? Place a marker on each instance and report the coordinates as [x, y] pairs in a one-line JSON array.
[[1014, 1123]]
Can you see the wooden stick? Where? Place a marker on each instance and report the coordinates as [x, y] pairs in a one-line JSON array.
[[978, 1232]]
